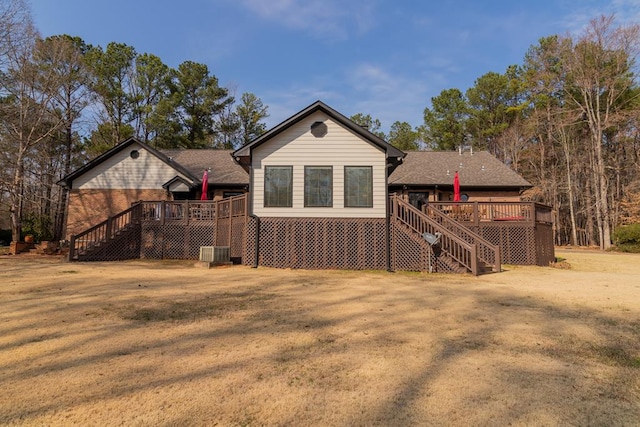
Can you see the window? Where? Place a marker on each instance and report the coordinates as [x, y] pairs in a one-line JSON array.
[[278, 183], [358, 187], [318, 129], [318, 186]]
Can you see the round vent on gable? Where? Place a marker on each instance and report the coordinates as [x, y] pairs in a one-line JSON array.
[[134, 154], [318, 129]]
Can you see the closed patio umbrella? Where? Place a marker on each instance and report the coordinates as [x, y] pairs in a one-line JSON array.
[[456, 188], [205, 185]]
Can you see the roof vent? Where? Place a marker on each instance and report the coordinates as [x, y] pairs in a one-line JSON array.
[[318, 129]]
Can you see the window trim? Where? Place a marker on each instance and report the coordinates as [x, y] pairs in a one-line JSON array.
[[264, 194], [369, 205], [306, 202]]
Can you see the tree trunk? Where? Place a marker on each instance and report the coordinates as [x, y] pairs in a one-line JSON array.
[[61, 213], [589, 207], [570, 191], [17, 199]]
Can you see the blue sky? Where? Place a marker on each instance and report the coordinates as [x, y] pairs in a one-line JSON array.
[[380, 57]]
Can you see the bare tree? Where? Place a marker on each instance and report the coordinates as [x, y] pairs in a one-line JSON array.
[[26, 109], [63, 56], [600, 75]]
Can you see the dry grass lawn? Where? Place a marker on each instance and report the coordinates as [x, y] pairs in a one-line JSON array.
[[163, 343]]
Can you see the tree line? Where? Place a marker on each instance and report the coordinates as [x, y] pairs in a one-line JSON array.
[[63, 101], [566, 119]]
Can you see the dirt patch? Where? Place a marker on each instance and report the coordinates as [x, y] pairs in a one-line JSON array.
[[160, 343]]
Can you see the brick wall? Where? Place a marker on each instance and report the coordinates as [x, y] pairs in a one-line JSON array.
[[90, 207]]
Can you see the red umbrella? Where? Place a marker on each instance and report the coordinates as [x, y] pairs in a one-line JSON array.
[[456, 188], [205, 185]]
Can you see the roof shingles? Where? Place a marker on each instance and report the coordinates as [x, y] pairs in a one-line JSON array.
[[224, 170], [480, 169]]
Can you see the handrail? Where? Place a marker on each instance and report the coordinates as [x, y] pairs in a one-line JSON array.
[[457, 248], [104, 231], [487, 251], [477, 212]]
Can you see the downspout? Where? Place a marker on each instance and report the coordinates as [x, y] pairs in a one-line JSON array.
[[256, 242], [388, 241], [388, 217]]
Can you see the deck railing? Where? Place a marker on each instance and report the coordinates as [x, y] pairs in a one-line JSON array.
[[458, 249], [477, 212], [194, 210]]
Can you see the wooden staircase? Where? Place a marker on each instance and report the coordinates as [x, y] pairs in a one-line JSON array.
[[461, 250], [114, 239]]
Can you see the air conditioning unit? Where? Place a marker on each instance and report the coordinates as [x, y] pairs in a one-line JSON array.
[[215, 254]]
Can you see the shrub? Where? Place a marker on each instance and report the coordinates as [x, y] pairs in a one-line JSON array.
[[39, 226], [627, 238]]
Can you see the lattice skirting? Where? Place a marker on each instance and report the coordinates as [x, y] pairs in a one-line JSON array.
[[545, 250], [520, 244], [175, 241], [122, 247], [230, 232], [319, 243], [410, 252]]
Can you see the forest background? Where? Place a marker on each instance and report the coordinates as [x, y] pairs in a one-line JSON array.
[[566, 119]]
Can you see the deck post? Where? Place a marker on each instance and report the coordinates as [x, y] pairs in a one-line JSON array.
[[476, 214], [109, 228], [532, 216], [72, 247], [216, 222], [474, 259]]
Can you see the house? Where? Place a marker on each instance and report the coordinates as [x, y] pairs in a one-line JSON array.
[[428, 176], [134, 171], [315, 191]]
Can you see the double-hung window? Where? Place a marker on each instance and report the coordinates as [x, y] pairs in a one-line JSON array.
[[278, 186], [358, 187], [318, 186]]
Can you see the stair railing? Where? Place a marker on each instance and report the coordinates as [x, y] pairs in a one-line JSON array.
[[487, 252], [458, 249], [104, 232]]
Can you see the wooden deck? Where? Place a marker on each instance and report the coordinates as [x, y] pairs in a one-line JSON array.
[[523, 230], [475, 213]]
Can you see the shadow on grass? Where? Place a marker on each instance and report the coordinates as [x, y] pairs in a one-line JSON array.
[[445, 352]]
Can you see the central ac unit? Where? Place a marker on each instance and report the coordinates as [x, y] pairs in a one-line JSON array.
[[215, 254]]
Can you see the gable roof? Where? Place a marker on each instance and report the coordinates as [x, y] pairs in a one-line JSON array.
[[419, 168], [224, 170], [68, 180], [392, 152], [477, 169], [176, 180]]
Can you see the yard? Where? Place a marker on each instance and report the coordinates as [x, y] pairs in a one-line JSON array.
[[164, 343]]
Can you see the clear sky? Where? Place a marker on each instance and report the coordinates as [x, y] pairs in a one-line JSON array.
[[386, 58]]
